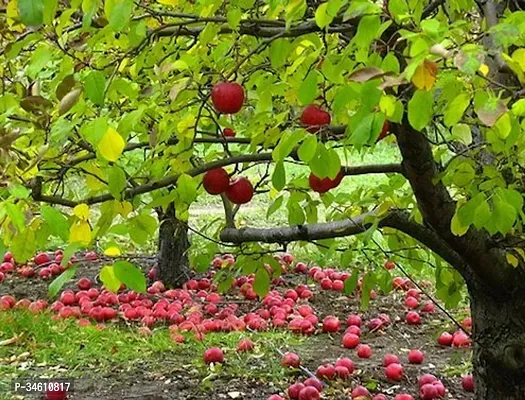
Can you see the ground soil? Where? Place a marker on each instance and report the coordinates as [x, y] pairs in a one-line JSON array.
[[165, 378]]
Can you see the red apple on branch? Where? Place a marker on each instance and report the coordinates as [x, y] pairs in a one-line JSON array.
[[313, 117], [216, 181], [240, 191], [227, 97]]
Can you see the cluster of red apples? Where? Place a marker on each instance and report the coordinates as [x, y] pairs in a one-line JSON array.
[[228, 98], [43, 265]]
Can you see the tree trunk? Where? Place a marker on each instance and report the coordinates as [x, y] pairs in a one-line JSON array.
[[173, 262], [499, 345]]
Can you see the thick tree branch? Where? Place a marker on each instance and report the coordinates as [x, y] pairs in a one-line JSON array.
[[258, 30], [397, 219], [437, 208]]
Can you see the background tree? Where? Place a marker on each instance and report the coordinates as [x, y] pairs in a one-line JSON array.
[[106, 114]]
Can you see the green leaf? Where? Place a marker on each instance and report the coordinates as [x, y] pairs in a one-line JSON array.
[[518, 108], [108, 278], [420, 109], [94, 85], [118, 13], [16, 215], [334, 163], [504, 216], [368, 284], [466, 213], [225, 284], [187, 188], [456, 108], [308, 90], [279, 52], [69, 251], [23, 245], [116, 181], [234, 16], [56, 220], [31, 12], [279, 176], [89, 8], [286, 144], [463, 175], [130, 275], [351, 283], [60, 281], [261, 283], [308, 148], [50, 9], [482, 215], [277, 203], [322, 19], [39, 60], [462, 133]]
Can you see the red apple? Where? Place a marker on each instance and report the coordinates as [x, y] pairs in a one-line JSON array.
[[350, 341], [213, 355], [314, 382], [326, 371], [364, 351], [240, 191], [428, 392], [461, 339], [390, 359], [216, 181], [394, 372], [228, 132], [342, 372], [227, 97], [324, 185], [379, 397], [309, 393], [313, 117], [416, 357], [389, 265], [245, 345], [84, 284], [7, 267], [41, 258], [331, 324], [294, 390], [428, 307], [27, 272], [275, 397], [345, 362], [45, 273], [403, 396], [338, 285], [360, 391], [354, 319], [467, 382], [290, 359], [58, 394], [425, 379], [326, 284], [445, 339], [411, 302], [413, 318]]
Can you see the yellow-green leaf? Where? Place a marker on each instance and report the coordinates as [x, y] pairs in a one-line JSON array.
[[80, 233], [108, 278], [511, 259], [111, 145], [112, 251], [425, 75], [82, 212]]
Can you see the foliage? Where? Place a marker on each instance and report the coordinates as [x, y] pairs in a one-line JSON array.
[[115, 97]]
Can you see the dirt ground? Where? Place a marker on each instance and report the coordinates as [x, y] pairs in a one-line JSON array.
[[165, 378]]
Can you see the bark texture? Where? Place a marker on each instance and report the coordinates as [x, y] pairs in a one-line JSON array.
[[499, 345], [173, 261]]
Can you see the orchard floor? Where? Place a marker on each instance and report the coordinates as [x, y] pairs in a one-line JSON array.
[[118, 363]]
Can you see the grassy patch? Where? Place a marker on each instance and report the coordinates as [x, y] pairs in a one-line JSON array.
[[48, 348]]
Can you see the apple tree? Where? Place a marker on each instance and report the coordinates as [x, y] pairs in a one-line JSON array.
[[112, 110]]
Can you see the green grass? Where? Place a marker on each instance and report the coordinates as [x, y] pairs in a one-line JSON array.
[[87, 351]]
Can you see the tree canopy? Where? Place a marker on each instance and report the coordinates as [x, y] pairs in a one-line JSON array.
[[106, 114]]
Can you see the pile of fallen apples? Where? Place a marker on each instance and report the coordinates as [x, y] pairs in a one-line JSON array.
[[199, 309]]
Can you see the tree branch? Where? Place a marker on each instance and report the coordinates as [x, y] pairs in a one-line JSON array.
[[437, 208], [397, 219]]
